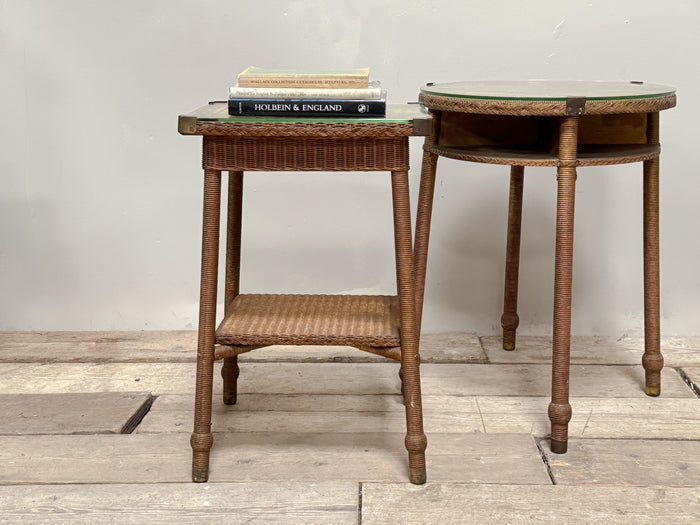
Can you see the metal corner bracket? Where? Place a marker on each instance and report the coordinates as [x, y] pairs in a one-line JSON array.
[[575, 105], [187, 124]]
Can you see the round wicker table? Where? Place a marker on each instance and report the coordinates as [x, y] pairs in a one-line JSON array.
[[563, 125]]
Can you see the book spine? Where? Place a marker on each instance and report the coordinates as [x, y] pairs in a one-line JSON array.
[[373, 92], [302, 82], [339, 78], [306, 108]]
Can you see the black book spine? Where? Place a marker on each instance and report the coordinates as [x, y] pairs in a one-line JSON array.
[[306, 108]]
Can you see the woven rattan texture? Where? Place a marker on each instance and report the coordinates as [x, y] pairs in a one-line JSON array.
[[359, 129], [352, 320], [510, 319], [600, 156], [544, 107], [201, 439], [560, 409], [652, 361], [305, 154]]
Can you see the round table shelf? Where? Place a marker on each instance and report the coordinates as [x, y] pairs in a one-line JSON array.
[[602, 155]]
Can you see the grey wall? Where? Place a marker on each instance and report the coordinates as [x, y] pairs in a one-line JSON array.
[[100, 197]]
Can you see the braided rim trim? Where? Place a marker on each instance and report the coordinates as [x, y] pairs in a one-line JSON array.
[[544, 107]]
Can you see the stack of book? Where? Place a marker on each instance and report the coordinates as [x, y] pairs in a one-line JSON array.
[[284, 93]]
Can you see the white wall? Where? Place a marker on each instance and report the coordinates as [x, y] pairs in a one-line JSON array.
[[100, 198]]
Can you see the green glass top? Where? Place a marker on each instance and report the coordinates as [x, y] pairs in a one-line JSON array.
[[547, 90], [395, 113]]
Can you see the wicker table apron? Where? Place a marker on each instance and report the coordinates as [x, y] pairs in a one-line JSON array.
[[384, 325], [560, 124]]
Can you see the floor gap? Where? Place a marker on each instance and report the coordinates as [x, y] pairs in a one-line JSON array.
[[545, 460], [135, 420], [486, 360], [359, 505], [686, 379]]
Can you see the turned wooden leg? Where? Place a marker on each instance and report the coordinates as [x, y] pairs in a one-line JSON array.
[[201, 439], [416, 441], [652, 361], [509, 319], [560, 409]]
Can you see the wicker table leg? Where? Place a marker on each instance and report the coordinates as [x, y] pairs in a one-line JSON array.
[[559, 408], [509, 319], [230, 370], [420, 250], [416, 441], [201, 440], [652, 361], [423, 218]]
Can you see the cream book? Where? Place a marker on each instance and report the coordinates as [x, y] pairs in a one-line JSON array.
[[332, 78]]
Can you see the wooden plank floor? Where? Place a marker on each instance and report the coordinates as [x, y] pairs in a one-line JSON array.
[[94, 428]]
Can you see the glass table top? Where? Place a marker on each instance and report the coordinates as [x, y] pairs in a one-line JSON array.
[[547, 90], [413, 115], [395, 113]]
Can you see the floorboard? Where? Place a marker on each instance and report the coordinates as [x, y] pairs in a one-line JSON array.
[[267, 456], [594, 350], [252, 502], [457, 504], [628, 462], [643, 418], [333, 378], [95, 413]]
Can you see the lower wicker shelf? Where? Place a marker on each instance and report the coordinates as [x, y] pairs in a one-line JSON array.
[[588, 155], [352, 320]]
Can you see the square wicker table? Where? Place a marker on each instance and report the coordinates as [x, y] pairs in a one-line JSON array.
[[384, 325], [563, 125]]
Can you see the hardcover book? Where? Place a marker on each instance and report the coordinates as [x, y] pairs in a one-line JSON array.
[[258, 107], [372, 92], [346, 78]]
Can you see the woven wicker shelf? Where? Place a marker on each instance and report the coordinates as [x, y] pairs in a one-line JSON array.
[[352, 320], [514, 156]]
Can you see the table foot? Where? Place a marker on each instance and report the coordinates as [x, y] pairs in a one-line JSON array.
[[417, 476], [230, 373], [652, 363], [653, 391], [200, 474], [559, 415], [416, 445], [509, 323], [558, 447], [201, 445]]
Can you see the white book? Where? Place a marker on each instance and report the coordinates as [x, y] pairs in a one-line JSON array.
[[372, 92]]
